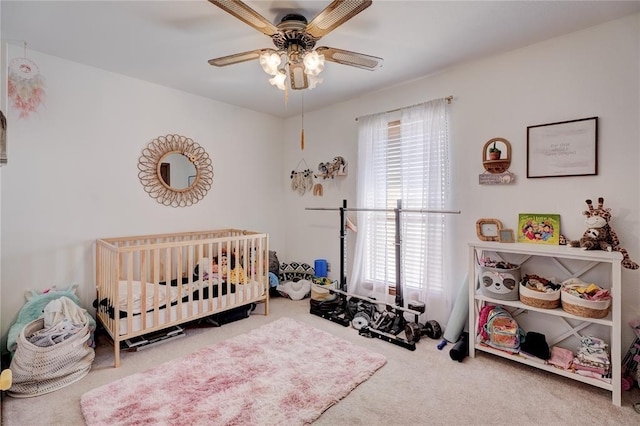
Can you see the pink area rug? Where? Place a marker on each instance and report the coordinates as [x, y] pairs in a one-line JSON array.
[[283, 373]]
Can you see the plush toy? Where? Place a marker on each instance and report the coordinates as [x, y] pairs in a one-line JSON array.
[[224, 261], [234, 269], [599, 234], [237, 275]]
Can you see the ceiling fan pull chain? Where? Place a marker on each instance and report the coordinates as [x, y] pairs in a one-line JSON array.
[[302, 131]]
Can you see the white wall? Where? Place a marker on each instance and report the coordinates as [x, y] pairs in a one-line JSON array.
[[72, 175], [588, 73]]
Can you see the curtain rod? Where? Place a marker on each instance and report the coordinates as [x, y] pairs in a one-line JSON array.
[[362, 209], [449, 99]]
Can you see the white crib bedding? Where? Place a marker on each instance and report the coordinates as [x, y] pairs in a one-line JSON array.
[[187, 292], [188, 309], [150, 294]]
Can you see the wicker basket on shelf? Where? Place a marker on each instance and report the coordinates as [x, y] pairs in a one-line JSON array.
[[585, 308], [531, 296], [580, 306], [538, 299]]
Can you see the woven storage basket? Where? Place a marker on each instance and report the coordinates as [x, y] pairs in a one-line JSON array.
[[40, 370], [500, 283], [539, 299], [584, 308], [320, 289]]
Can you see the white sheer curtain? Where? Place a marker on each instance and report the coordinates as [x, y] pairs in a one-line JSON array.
[[404, 156]]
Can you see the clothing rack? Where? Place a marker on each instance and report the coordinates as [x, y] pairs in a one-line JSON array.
[[399, 299]]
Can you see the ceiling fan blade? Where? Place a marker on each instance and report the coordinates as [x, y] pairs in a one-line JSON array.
[[236, 58], [353, 59], [297, 76], [334, 15], [247, 15]]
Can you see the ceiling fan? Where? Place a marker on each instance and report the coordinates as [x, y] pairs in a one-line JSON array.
[[295, 39]]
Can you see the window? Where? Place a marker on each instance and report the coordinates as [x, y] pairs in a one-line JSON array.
[[403, 158]]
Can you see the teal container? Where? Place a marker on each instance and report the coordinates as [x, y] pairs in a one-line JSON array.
[[321, 268]]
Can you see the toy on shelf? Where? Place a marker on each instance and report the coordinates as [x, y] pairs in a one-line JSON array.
[[599, 234]]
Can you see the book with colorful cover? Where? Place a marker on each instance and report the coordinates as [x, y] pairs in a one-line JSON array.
[[539, 228]]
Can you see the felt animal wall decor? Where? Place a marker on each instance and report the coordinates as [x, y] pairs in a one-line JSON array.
[[599, 234], [337, 167]]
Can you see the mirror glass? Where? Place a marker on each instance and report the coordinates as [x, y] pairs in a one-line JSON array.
[[177, 171]]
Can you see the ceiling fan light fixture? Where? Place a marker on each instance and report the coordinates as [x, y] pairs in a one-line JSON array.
[[314, 81], [270, 61], [279, 79], [296, 56], [297, 76], [313, 63]]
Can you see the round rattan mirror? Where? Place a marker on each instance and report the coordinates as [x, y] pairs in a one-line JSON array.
[[192, 171]]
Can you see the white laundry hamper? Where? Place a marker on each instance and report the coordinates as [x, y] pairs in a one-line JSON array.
[[40, 370]]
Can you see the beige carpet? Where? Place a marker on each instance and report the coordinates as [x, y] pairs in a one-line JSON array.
[[414, 388]]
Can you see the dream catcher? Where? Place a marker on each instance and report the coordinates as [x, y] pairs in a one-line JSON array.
[[302, 181], [26, 85]]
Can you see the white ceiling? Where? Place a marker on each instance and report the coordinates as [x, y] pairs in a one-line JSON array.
[[169, 42]]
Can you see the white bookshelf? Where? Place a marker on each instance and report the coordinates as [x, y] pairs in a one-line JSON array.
[[561, 263]]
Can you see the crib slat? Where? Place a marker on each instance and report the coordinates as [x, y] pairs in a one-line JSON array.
[[179, 268], [143, 292]]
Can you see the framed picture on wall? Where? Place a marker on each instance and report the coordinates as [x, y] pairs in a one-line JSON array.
[[566, 148]]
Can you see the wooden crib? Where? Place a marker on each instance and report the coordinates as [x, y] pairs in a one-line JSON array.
[[151, 282]]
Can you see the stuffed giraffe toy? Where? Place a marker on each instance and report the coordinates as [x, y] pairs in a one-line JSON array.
[[599, 234]]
